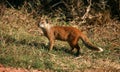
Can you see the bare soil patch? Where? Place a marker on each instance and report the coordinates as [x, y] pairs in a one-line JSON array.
[[11, 69]]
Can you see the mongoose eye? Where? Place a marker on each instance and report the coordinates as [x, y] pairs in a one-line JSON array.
[[40, 23]]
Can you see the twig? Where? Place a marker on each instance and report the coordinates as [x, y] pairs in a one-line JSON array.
[[87, 10], [56, 4], [9, 4], [86, 15]]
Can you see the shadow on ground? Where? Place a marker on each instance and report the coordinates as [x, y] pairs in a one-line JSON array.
[[9, 39]]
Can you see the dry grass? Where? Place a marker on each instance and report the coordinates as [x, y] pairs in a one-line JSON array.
[[22, 46]]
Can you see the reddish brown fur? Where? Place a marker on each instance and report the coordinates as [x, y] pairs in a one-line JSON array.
[[69, 34]]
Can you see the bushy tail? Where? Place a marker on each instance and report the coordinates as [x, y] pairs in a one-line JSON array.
[[88, 44]]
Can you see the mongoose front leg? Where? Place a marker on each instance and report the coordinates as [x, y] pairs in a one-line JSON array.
[[51, 44]]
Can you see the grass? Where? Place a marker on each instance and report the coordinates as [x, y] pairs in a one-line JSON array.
[[19, 48]]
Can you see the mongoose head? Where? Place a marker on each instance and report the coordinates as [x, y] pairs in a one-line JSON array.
[[44, 24]]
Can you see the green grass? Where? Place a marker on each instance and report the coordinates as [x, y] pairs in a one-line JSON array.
[[18, 48], [26, 51]]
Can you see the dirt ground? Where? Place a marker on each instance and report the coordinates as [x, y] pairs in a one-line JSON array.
[[11, 69]]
